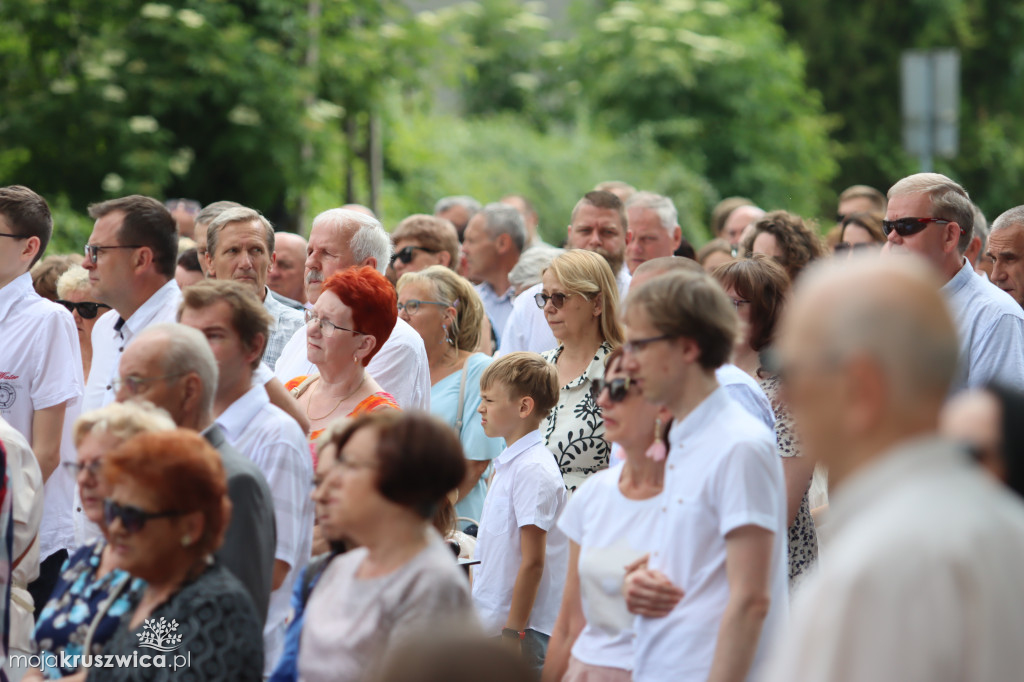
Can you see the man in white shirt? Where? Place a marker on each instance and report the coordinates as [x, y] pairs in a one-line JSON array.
[[931, 216], [236, 326], [921, 580], [40, 369], [716, 590], [492, 244], [598, 224], [131, 257], [341, 239], [654, 230], [240, 247]]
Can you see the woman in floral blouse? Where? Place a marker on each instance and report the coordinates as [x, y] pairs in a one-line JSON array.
[[581, 304]]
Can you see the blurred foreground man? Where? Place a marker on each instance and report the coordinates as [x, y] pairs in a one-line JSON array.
[[921, 580]]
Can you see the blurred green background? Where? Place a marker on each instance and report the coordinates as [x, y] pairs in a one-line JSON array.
[[295, 107]]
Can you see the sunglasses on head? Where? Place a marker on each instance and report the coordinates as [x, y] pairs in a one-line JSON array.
[[407, 253], [132, 519], [618, 389], [905, 227], [86, 309]]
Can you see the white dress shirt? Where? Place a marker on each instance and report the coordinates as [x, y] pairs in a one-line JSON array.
[[275, 443], [722, 473], [400, 367], [920, 579], [108, 343], [41, 366], [527, 490], [527, 329], [991, 330]]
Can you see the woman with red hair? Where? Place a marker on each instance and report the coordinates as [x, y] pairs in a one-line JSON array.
[[351, 320]]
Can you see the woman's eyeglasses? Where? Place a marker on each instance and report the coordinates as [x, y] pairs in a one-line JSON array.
[[75, 468], [905, 227], [618, 389], [412, 305], [327, 328], [557, 299], [407, 253], [86, 309], [132, 519]]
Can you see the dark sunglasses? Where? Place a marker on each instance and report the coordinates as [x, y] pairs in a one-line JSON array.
[[557, 299], [905, 227], [86, 309], [618, 389], [133, 519], [407, 253]]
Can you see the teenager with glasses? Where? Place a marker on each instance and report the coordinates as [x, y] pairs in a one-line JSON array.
[[932, 216], [89, 578], [446, 311], [580, 301], [610, 523], [165, 511]]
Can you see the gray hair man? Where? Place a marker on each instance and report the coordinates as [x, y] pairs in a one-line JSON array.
[[202, 224], [341, 239], [172, 366], [1005, 253], [923, 577], [932, 216], [653, 228], [458, 210], [240, 247], [492, 244]]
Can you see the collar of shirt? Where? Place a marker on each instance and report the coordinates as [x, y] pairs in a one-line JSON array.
[[156, 303], [623, 279], [904, 462], [486, 290], [519, 447], [16, 290], [273, 306], [242, 411], [959, 281], [682, 431]]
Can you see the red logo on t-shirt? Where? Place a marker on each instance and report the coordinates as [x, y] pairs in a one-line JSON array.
[[9, 377]]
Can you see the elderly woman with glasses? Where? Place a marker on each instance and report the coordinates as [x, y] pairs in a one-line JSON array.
[[446, 311], [379, 482], [581, 305], [89, 581], [165, 513], [610, 523], [75, 294], [351, 320]]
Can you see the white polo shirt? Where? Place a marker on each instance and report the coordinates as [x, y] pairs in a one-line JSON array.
[[722, 473], [400, 367], [41, 366], [527, 490], [275, 443], [527, 329], [108, 342]]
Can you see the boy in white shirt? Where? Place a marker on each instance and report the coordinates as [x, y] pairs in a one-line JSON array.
[[517, 588]]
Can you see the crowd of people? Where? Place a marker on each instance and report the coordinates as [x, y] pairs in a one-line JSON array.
[[454, 451]]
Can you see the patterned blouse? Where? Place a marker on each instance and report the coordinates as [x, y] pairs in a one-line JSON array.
[[574, 431], [209, 628], [803, 539], [75, 601]]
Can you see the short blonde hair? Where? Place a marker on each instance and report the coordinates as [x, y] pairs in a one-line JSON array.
[[588, 274], [75, 278], [458, 292], [525, 374], [122, 421]]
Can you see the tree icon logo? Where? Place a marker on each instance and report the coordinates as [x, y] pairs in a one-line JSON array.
[[159, 634]]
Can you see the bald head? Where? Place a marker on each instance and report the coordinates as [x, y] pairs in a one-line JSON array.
[[737, 222], [286, 274]]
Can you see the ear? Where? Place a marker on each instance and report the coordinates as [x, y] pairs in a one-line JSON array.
[[867, 394], [255, 351], [143, 258], [209, 265], [371, 261], [677, 237], [629, 236], [367, 345], [952, 240], [526, 406], [192, 525], [444, 258], [273, 258], [192, 393], [598, 302], [691, 350], [31, 248], [503, 243]]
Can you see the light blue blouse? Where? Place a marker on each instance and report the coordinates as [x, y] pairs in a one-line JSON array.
[[444, 403]]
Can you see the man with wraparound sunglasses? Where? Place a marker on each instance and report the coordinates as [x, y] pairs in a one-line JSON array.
[[40, 371], [932, 216]]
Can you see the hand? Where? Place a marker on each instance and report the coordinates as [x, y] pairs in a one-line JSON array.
[[648, 592]]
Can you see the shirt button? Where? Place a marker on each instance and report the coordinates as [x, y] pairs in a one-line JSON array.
[[664, 509], [79, 509]]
